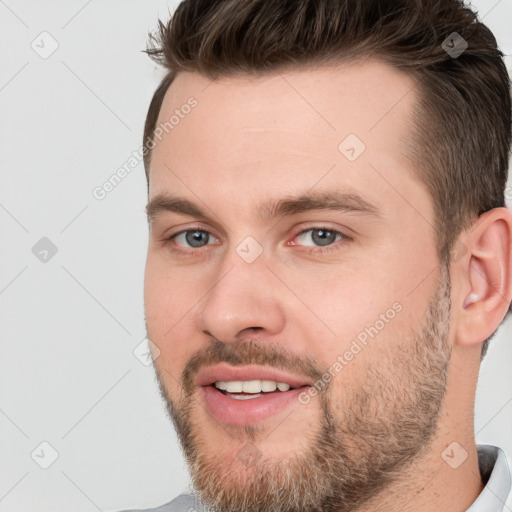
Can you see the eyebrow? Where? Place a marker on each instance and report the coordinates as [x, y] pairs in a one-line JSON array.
[[330, 200]]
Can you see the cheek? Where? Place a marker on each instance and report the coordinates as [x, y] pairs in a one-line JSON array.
[[349, 318], [339, 301], [169, 307], [169, 293]]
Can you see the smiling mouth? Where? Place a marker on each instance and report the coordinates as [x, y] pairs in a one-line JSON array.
[[247, 390], [247, 395]]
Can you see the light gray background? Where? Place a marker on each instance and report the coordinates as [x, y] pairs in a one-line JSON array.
[[68, 375]]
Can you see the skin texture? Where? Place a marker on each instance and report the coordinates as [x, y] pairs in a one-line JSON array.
[[373, 439]]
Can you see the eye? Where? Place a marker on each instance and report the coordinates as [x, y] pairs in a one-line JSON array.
[[316, 237], [319, 237], [192, 238]]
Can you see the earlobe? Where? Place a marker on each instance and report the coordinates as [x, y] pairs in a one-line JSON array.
[[488, 275]]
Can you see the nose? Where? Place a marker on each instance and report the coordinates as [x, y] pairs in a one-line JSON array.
[[243, 300]]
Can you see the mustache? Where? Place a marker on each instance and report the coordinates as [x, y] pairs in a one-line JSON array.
[[249, 352]]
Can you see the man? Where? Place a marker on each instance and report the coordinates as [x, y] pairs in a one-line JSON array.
[[329, 251]]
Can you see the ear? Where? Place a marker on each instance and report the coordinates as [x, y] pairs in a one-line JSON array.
[[485, 293]]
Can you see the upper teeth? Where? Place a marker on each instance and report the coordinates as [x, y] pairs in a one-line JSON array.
[[251, 386]]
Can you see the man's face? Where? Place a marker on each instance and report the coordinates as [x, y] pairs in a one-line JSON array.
[[299, 249]]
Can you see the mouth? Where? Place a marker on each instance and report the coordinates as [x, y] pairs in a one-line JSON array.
[[249, 389], [241, 396]]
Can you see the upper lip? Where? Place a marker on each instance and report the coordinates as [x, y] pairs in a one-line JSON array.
[[226, 373]]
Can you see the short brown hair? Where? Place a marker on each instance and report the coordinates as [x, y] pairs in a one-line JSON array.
[[462, 135]]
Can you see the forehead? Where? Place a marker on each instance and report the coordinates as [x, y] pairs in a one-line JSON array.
[[287, 132]]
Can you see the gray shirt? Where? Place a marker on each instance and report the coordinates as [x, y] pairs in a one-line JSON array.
[[494, 469]]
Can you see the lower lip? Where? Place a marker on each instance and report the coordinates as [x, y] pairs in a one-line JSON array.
[[231, 411]]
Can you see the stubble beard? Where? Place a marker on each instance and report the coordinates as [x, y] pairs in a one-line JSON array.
[[383, 425]]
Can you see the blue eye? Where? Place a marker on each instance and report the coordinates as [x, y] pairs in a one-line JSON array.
[[192, 238], [319, 237]]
